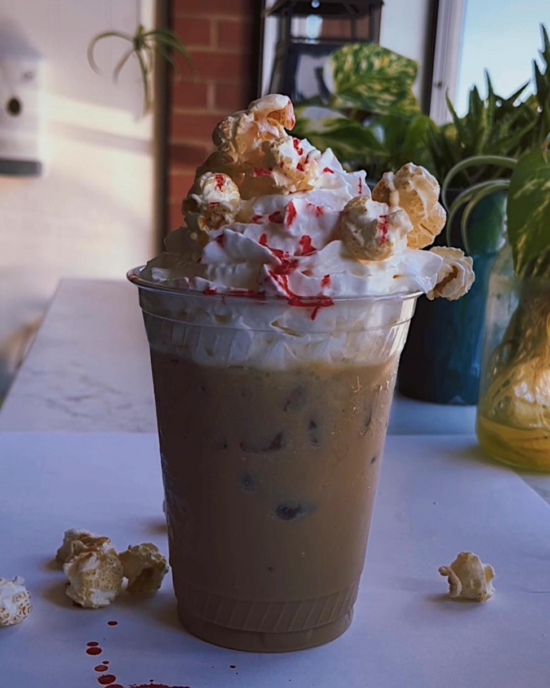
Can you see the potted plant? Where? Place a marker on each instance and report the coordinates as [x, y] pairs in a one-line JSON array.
[[371, 129]]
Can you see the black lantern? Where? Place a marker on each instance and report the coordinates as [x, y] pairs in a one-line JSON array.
[[299, 59]]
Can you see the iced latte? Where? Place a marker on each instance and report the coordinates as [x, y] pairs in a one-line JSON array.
[[276, 319]]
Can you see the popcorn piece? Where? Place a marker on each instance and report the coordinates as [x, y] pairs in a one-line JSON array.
[[213, 201], [77, 541], [144, 567], [372, 230], [418, 195], [292, 168], [64, 552], [15, 601], [469, 578], [95, 578], [240, 137], [456, 275]]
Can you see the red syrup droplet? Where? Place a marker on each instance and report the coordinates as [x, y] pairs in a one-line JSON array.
[[94, 651], [112, 623], [106, 680], [92, 644], [152, 685], [101, 667]]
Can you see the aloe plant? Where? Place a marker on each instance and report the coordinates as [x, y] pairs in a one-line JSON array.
[[144, 45]]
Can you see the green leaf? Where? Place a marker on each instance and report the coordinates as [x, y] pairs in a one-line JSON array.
[[100, 37], [324, 128], [372, 78], [529, 213]]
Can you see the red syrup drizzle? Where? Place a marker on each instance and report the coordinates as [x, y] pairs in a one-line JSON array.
[[384, 227], [220, 181], [319, 212], [290, 214], [280, 275], [220, 239], [307, 247], [327, 170], [360, 186], [276, 217], [325, 282], [300, 167], [297, 147], [210, 291], [248, 294], [260, 172]]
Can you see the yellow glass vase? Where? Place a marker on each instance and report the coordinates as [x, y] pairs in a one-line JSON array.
[[513, 418]]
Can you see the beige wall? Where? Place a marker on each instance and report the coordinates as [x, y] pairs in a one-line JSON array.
[[91, 214]]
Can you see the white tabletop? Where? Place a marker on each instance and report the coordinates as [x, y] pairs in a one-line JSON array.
[[88, 371], [437, 496]]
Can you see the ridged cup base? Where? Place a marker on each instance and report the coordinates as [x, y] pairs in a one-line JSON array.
[[265, 626], [255, 641]]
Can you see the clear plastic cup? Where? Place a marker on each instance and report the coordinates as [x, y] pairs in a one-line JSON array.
[[272, 420]]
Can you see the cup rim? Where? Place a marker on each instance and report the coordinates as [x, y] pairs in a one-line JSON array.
[[134, 276]]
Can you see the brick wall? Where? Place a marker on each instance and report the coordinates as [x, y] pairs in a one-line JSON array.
[[222, 37]]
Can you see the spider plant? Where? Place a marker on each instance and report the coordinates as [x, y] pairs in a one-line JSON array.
[[144, 45]]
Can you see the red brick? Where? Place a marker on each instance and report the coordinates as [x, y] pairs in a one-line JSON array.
[[235, 34], [193, 31], [189, 94], [226, 7], [233, 97], [179, 185], [187, 154], [218, 65], [188, 127]]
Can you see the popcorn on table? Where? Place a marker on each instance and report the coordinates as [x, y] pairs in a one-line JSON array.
[[95, 578], [469, 578], [144, 567], [15, 601]]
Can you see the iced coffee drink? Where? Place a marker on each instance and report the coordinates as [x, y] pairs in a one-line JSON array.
[[276, 319]]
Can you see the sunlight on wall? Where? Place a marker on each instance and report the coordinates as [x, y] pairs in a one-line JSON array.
[[92, 212]]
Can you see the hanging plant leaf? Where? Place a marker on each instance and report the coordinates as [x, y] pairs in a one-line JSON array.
[[529, 214], [144, 46], [372, 78]]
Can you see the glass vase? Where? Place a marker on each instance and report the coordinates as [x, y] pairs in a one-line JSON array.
[[513, 418]]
